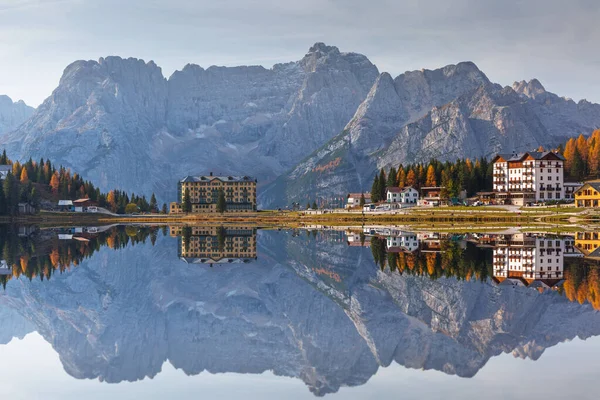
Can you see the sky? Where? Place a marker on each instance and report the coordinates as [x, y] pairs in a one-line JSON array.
[[500, 379], [555, 41]]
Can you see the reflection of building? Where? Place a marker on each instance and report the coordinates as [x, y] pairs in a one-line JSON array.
[[240, 193], [528, 177], [216, 245], [358, 240], [588, 243], [529, 258], [5, 269], [402, 242]]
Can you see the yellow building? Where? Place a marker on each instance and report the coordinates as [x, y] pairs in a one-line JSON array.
[[240, 193], [588, 195], [215, 244]]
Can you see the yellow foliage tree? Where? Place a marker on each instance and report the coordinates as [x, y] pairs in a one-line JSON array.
[[582, 146], [54, 182], [401, 177], [568, 153], [430, 180], [24, 176], [411, 178]]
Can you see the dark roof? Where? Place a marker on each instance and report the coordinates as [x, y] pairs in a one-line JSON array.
[[208, 178], [394, 190], [593, 184], [536, 155]]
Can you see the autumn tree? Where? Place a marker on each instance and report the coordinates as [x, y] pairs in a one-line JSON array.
[[411, 178], [24, 176], [54, 182], [401, 177], [430, 180]]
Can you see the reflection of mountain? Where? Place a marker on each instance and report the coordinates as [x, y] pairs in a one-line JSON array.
[[310, 307]]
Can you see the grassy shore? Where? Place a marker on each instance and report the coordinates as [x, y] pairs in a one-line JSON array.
[[431, 217]]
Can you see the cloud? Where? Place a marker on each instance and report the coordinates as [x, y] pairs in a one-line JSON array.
[[510, 40]]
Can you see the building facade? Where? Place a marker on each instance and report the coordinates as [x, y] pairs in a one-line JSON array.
[[353, 199], [530, 177], [240, 193], [407, 195], [588, 195]]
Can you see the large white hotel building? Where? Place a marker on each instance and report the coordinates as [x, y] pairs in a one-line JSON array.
[[529, 177]]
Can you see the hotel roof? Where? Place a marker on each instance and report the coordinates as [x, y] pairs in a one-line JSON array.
[[208, 178], [536, 155]]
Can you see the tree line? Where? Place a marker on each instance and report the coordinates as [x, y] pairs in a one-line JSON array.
[[34, 181], [453, 177]]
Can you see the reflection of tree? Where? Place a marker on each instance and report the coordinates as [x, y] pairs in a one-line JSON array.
[[221, 236], [186, 234], [453, 260], [42, 254], [582, 282]]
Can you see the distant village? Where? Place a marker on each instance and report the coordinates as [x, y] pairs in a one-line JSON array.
[[519, 179]]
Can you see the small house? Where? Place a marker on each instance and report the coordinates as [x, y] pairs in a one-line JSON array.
[[82, 205], [5, 269], [432, 196], [353, 199], [588, 195], [65, 205]]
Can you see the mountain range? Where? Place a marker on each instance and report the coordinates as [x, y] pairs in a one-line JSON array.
[[317, 127]]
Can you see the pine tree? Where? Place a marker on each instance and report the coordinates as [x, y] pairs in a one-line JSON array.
[[382, 184], [187, 201], [375, 190], [315, 206], [362, 200], [153, 205], [164, 208], [577, 170], [391, 179]]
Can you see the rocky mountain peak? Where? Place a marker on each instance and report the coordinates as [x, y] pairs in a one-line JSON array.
[[12, 114], [531, 89], [320, 47]]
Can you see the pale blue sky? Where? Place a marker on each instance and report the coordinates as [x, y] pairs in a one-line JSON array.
[[555, 41]]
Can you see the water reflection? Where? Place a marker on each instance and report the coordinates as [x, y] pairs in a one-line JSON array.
[[327, 307]]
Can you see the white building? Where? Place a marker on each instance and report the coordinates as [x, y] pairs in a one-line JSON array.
[[407, 195], [353, 199], [528, 177], [571, 188], [529, 258]]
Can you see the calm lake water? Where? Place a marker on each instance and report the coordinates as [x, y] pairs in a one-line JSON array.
[[232, 312]]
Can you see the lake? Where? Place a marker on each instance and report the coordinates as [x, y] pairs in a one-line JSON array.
[[355, 313]]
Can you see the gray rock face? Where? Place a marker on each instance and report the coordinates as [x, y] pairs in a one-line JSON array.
[[444, 114], [13, 114], [314, 309], [122, 124]]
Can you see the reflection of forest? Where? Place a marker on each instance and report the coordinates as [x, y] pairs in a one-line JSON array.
[[569, 265], [31, 252]]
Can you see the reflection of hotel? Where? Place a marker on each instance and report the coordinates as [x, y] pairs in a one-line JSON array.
[[529, 258], [216, 245]]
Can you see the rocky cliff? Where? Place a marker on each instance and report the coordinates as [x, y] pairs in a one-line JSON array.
[[12, 114], [444, 114], [122, 124], [310, 308]]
